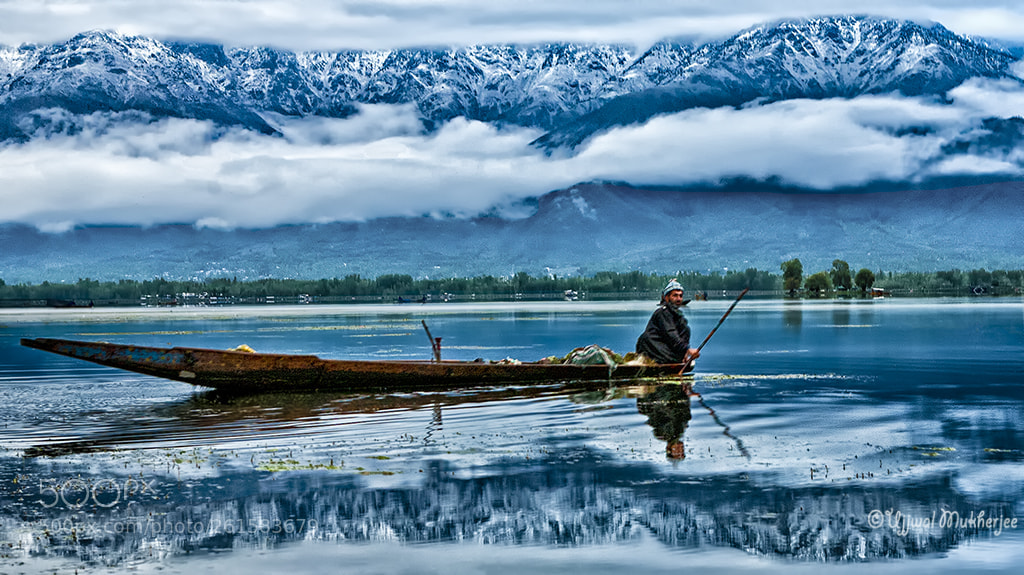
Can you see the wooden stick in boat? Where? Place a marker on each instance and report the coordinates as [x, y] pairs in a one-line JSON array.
[[435, 346]]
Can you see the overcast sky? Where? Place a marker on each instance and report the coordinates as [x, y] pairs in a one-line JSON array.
[[379, 163], [327, 24]]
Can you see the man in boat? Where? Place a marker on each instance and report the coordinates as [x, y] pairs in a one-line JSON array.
[[667, 336]]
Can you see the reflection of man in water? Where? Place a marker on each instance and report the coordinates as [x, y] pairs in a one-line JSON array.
[[668, 412]]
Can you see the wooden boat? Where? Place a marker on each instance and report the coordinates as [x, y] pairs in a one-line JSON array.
[[247, 372]]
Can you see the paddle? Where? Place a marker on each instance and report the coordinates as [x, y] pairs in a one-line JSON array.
[[727, 312]]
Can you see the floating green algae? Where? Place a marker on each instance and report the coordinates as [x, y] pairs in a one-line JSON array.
[[275, 465]]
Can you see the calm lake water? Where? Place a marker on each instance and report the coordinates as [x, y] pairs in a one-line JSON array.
[[858, 436]]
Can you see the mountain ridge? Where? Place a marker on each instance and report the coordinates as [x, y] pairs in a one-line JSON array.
[[579, 230], [571, 91]]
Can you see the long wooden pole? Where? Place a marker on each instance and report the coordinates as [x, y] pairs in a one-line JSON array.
[[435, 346], [727, 312]]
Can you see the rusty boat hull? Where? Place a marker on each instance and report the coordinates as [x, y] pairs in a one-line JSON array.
[[247, 372]]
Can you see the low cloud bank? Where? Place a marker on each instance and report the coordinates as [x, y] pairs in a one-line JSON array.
[[129, 169]]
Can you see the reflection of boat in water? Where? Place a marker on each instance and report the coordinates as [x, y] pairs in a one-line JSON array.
[[210, 416], [243, 371]]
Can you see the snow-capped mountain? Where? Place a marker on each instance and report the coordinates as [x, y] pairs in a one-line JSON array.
[[103, 71], [820, 58], [824, 57], [569, 90]]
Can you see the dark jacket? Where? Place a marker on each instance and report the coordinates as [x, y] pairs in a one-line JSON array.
[[667, 337]]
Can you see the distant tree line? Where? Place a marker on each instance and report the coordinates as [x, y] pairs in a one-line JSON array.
[[386, 286], [614, 284]]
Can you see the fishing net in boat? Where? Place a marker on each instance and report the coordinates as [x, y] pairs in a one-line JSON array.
[[591, 355], [596, 355]]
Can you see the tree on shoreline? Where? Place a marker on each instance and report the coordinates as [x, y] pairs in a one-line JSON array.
[[840, 274], [818, 283], [792, 275], [865, 279]]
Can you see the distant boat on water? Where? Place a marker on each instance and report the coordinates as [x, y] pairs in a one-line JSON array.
[[65, 303]]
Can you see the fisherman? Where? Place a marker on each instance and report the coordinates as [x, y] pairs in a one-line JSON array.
[[667, 336]]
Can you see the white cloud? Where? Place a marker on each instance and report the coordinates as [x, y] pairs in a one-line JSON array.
[[1003, 98], [135, 174], [810, 143], [373, 122], [974, 166], [783, 140], [57, 227], [117, 169]]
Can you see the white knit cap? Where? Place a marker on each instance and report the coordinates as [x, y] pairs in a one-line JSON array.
[[672, 286]]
